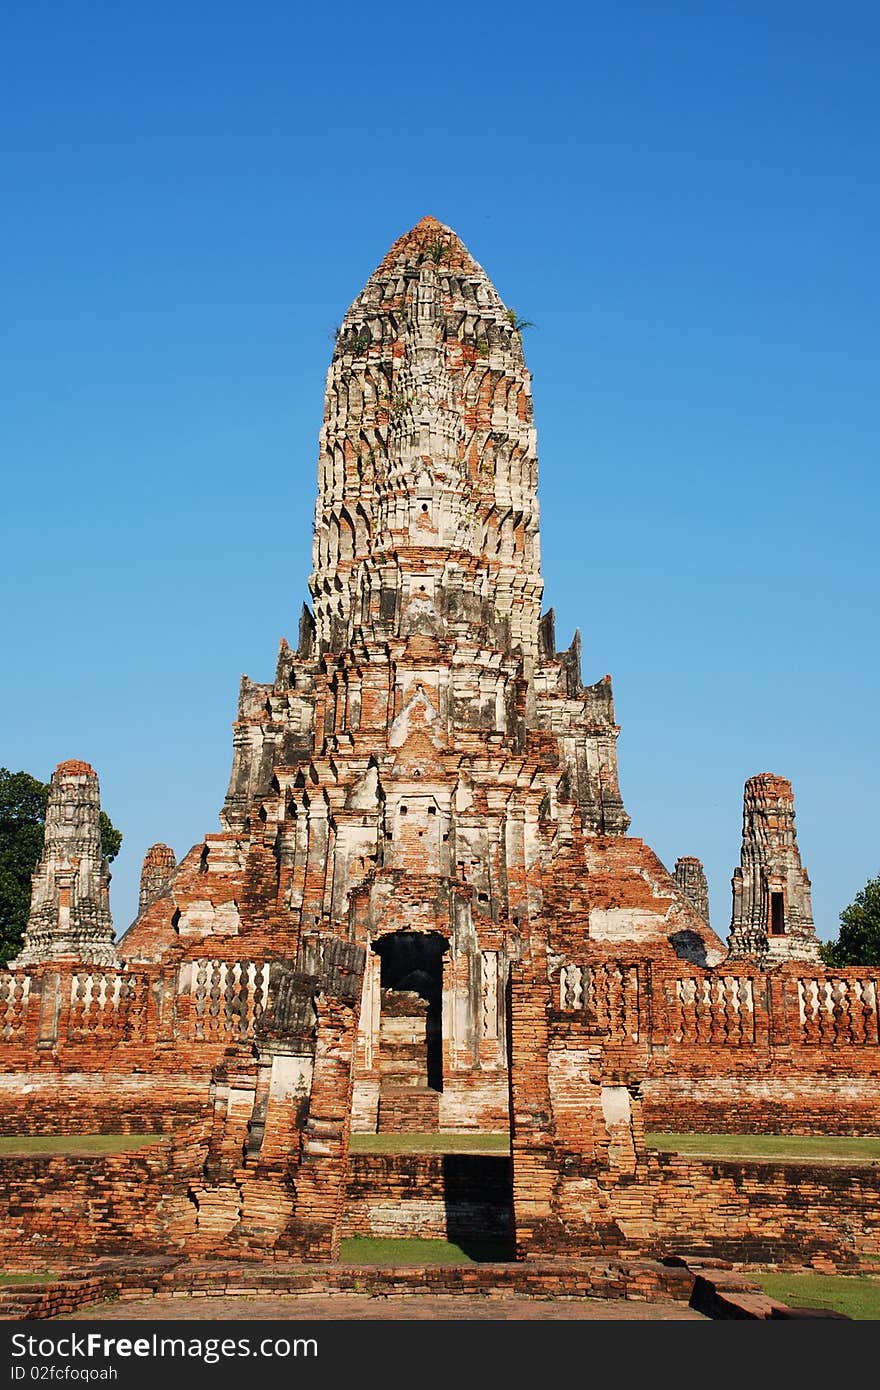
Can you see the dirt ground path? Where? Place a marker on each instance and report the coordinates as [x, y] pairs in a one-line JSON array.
[[308, 1307]]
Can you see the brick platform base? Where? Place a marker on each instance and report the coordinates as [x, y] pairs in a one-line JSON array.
[[646, 1280], [457, 1197], [713, 1289]]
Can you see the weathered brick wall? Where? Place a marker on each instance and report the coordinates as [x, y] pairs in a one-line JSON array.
[[100, 1102], [262, 1053], [778, 1100], [726, 1049], [792, 1050], [88, 1050], [753, 1210], [795, 1049], [113, 1204], [64, 1017], [644, 1280], [531, 1128], [585, 1052], [138, 1203], [735, 1009], [321, 1176], [457, 1197]]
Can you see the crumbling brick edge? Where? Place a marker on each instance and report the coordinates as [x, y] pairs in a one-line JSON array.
[[710, 1287], [726, 1294]]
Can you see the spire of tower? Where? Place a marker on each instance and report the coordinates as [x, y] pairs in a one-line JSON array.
[[426, 561], [430, 239], [427, 507]]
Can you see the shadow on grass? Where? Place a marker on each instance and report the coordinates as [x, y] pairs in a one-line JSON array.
[[367, 1250], [478, 1197]]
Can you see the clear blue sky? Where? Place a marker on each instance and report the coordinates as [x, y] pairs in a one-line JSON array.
[[682, 196]]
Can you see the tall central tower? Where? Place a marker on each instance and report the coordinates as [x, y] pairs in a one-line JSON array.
[[427, 512], [426, 777]]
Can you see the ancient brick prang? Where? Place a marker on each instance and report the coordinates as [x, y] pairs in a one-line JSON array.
[[427, 515], [158, 866], [772, 916], [426, 765], [70, 898], [426, 576], [423, 909], [690, 876]]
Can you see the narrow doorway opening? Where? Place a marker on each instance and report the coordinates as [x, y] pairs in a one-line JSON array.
[[777, 914], [411, 982]]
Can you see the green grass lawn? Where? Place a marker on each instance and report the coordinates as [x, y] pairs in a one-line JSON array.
[[430, 1143], [808, 1148], [20, 1145], [811, 1148], [368, 1250], [39, 1278], [857, 1295]]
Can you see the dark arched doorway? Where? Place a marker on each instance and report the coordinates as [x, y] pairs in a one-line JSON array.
[[411, 1030]]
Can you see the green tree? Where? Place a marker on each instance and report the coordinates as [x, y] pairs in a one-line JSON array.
[[22, 818], [859, 939]]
